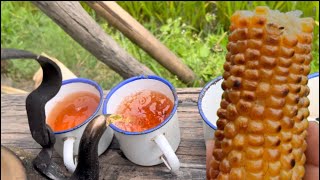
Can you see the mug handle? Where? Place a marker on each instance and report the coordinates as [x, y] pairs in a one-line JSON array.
[[68, 160], [172, 161]]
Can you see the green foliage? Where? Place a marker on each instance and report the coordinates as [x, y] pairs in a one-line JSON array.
[[192, 13], [195, 31]]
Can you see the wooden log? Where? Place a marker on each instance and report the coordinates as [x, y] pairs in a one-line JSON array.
[[11, 90], [74, 20], [132, 29]]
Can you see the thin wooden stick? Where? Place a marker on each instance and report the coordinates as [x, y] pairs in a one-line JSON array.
[[11, 90], [139, 35]]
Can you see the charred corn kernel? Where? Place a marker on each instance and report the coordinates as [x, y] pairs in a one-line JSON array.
[[239, 142], [237, 174], [284, 135], [264, 108], [255, 140], [274, 169], [235, 158], [226, 146], [273, 154], [257, 112], [252, 152]]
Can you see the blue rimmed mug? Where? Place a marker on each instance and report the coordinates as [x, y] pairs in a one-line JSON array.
[[67, 141], [153, 146], [313, 84]]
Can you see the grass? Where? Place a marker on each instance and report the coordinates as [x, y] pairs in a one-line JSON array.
[[23, 26], [189, 29]]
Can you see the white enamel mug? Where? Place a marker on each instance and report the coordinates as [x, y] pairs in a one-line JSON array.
[[208, 105], [67, 141], [313, 84], [153, 146]]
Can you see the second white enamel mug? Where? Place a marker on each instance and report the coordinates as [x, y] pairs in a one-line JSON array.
[[153, 146], [208, 104], [313, 84]]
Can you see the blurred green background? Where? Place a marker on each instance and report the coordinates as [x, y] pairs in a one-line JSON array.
[[195, 31]]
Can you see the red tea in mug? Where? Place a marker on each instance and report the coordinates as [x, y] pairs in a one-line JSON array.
[[72, 110], [144, 110]]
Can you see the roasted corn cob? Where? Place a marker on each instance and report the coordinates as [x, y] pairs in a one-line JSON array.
[[264, 108]]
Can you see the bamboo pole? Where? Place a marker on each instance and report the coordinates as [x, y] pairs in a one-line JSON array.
[[132, 29]]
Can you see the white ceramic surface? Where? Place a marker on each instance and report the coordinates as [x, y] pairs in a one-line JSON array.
[[70, 139], [313, 96], [147, 148], [208, 104]]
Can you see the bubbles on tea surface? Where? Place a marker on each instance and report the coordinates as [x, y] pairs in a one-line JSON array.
[[146, 109], [72, 111], [153, 107]]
